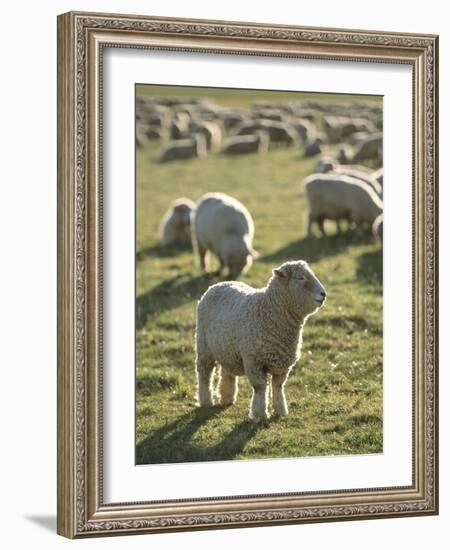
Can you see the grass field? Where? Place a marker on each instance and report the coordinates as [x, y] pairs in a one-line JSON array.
[[335, 391]]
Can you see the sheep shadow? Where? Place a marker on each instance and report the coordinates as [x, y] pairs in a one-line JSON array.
[[313, 249], [370, 266], [173, 443], [170, 294], [161, 251]]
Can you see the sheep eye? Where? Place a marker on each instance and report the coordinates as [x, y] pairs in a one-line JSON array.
[[301, 278]]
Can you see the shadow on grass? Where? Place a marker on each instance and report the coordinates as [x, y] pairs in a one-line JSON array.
[[370, 266], [173, 442], [312, 249], [160, 251], [349, 323], [170, 294]]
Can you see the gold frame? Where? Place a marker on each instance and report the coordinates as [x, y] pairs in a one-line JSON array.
[[81, 38]]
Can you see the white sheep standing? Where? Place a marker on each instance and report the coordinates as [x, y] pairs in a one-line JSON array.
[[254, 332], [175, 227], [339, 197], [223, 226]]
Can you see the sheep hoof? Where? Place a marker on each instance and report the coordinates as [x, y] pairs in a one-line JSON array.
[[227, 402], [281, 413], [263, 418], [205, 404]]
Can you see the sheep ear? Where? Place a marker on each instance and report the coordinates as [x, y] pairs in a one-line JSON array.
[[283, 274]]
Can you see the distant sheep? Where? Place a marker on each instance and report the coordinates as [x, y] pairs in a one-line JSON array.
[[185, 149], [256, 333], [245, 144], [175, 227], [223, 226], [304, 127], [370, 148], [280, 132], [338, 197], [212, 132]]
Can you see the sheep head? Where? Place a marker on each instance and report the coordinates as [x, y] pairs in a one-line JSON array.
[[297, 283], [183, 210]]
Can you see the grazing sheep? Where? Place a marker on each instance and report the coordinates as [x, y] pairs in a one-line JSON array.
[[280, 132], [255, 332], [154, 132], [338, 197], [242, 145], [185, 149], [175, 227], [313, 148], [222, 225], [304, 127], [212, 132], [370, 148], [377, 228], [359, 175]]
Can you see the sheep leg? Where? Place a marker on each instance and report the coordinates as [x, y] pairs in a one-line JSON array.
[[280, 407], [258, 405], [228, 388], [310, 225], [320, 223], [201, 257], [205, 367]]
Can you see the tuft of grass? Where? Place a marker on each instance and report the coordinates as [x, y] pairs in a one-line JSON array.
[[334, 393]]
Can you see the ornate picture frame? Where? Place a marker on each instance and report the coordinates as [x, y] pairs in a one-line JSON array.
[[82, 38]]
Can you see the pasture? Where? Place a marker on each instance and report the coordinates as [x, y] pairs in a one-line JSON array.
[[334, 393]]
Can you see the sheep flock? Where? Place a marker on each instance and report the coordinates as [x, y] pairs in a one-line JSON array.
[[241, 330]]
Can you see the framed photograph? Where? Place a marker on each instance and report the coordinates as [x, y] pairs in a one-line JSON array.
[[247, 274]]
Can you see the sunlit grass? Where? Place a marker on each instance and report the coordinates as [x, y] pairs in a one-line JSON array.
[[334, 393]]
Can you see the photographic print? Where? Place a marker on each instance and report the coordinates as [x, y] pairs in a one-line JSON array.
[[259, 288]]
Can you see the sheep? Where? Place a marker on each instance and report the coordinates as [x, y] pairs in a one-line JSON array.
[[185, 149], [175, 227], [313, 148], [360, 175], [304, 127], [337, 197], [254, 332], [211, 130], [377, 227], [280, 132], [369, 148], [223, 226], [241, 145]]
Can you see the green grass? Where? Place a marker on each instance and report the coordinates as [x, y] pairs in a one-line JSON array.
[[335, 391]]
